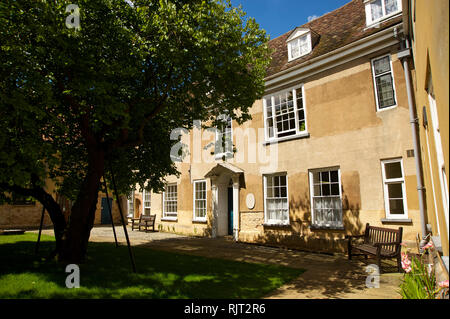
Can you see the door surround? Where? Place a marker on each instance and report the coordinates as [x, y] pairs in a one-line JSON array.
[[221, 176]]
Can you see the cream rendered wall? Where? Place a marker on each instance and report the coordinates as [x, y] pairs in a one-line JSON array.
[[345, 130], [430, 43]]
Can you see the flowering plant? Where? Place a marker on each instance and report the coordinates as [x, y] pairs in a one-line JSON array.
[[419, 281]]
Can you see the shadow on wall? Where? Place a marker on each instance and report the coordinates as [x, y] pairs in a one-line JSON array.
[[300, 235]]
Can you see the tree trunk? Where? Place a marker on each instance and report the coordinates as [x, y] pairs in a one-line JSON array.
[[57, 218], [51, 206], [82, 215]]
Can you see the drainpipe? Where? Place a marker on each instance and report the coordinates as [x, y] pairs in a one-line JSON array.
[[404, 55]]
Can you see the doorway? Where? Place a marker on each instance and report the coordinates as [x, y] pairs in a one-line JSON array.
[[106, 217], [230, 211]]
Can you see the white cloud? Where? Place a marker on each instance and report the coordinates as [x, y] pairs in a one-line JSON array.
[[313, 17]]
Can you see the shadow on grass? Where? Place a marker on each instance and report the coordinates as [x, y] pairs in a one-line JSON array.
[[107, 274]]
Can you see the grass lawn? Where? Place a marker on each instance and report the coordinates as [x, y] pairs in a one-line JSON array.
[[107, 273]]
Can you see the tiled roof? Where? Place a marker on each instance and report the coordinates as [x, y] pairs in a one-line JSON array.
[[335, 29]]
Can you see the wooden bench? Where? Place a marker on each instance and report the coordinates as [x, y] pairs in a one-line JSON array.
[[145, 221], [383, 243]]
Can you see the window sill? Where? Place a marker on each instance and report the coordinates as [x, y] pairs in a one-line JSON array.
[[287, 138], [387, 108], [276, 225], [397, 220], [325, 227], [199, 221], [169, 219]]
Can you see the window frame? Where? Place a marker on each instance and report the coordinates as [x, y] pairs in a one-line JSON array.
[[369, 18], [164, 217], [145, 192], [298, 133], [130, 198], [386, 182], [391, 71], [312, 196], [195, 218], [297, 39], [275, 222], [220, 132]]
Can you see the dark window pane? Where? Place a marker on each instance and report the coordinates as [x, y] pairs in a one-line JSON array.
[[286, 134], [325, 190], [283, 180], [334, 189], [276, 192], [385, 90], [283, 192], [393, 170], [325, 176], [317, 191], [276, 180], [395, 190], [334, 176], [396, 206]]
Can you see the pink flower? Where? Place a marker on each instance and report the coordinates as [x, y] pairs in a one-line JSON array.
[[406, 263], [429, 245], [443, 284]]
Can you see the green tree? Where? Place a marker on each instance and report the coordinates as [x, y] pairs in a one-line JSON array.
[[75, 101]]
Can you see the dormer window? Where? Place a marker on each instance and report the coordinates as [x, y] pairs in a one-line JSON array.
[[299, 43], [378, 10]]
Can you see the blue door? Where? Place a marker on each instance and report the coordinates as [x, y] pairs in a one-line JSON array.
[[230, 211], [106, 216]]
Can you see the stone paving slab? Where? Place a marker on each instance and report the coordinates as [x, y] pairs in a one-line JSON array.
[[326, 276]]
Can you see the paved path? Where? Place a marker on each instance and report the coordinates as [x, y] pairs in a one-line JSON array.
[[326, 276]]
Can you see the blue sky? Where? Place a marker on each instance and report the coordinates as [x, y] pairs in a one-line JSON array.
[[280, 16]]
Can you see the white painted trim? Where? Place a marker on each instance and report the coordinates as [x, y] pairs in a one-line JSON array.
[[370, 22], [386, 193], [200, 219], [130, 215], [297, 38], [143, 202], [311, 193], [298, 133], [375, 84], [226, 154], [266, 220], [236, 208], [363, 47], [164, 206], [298, 32]]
